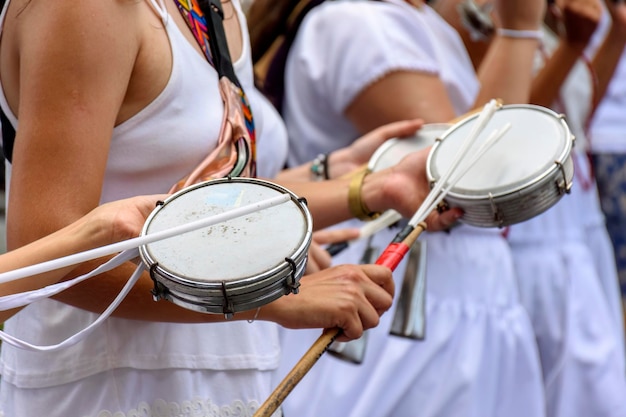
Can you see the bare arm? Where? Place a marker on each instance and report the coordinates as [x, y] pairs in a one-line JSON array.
[[345, 160], [504, 73], [402, 187], [579, 19], [66, 117], [110, 223], [607, 57]]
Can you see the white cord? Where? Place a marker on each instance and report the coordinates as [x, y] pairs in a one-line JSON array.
[[75, 338], [141, 240], [520, 34], [483, 118], [491, 140]]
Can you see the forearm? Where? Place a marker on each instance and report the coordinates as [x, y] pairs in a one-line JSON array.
[[606, 60], [506, 72], [75, 238], [547, 83]]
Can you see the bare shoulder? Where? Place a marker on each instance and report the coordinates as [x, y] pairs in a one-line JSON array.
[[67, 19], [94, 38]]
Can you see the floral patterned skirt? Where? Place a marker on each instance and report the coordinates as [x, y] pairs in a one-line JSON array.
[[610, 172]]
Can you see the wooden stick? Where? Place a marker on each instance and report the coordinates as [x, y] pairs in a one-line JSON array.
[[390, 258], [298, 372]]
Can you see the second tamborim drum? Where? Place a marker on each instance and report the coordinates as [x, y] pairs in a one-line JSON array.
[[237, 265], [522, 175]]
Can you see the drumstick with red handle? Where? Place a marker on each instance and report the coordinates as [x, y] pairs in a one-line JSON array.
[[391, 258], [393, 254]]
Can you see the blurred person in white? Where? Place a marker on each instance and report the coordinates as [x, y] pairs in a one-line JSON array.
[[360, 64], [607, 145], [564, 257]]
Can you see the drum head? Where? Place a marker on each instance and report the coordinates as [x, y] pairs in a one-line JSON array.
[[234, 250], [537, 139], [393, 150]]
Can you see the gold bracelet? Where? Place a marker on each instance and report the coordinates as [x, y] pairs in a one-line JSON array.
[[355, 202]]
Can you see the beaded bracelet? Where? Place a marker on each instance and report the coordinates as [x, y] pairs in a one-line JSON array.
[[319, 167]]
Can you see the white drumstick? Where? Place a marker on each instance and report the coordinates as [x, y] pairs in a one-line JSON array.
[[386, 219], [482, 120], [141, 240], [389, 217], [422, 213]]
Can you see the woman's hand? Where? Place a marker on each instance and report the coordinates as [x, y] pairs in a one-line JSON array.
[[351, 297], [579, 19], [404, 187], [348, 159], [120, 220]]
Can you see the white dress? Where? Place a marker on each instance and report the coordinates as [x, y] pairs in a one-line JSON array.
[[568, 282], [135, 368], [608, 147], [479, 358]]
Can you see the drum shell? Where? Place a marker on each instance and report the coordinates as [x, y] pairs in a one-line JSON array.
[[517, 206], [393, 150], [520, 201], [237, 294]]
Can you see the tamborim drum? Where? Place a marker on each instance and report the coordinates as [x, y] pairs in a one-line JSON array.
[[232, 266], [525, 173], [393, 150]]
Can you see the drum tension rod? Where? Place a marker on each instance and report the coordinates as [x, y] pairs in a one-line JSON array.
[[563, 186], [497, 213], [159, 289], [227, 308], [294, 285], [442, 207]]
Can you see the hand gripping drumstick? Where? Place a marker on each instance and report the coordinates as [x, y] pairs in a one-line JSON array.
[[391, 256], [389, 217]]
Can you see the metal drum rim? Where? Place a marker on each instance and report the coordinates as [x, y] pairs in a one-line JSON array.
[[299, 256], [563, 157], [382, 149]]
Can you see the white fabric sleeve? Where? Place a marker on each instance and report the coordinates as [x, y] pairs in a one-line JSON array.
[[345, 47]]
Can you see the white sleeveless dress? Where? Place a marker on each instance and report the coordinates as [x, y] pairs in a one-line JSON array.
[[135, 368]]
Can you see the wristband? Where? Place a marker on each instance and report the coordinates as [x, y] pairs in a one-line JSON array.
[[355, 202], [520, 34]]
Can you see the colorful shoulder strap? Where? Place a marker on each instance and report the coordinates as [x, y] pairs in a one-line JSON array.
[[212, 40]]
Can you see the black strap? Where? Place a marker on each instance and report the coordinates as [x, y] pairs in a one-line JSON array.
[[8, 136], [214, 16]]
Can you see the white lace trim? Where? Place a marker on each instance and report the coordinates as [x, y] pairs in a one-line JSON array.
[[194, 408]]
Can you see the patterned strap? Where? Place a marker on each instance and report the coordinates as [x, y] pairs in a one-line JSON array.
[[212, 40], [194, 17]]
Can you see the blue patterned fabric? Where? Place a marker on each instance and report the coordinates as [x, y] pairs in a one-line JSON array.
[[610, 171]]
